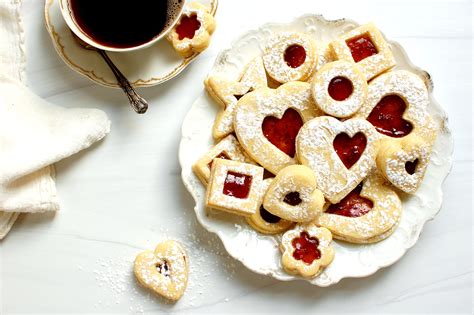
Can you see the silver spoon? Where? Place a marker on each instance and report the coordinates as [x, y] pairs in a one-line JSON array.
[[138, 103]]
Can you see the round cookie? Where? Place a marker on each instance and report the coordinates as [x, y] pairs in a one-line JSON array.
[[339, 88], [290, 56]]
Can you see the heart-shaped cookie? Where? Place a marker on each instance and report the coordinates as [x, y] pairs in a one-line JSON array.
[[368, 214], [341, 154], [164, 271], [293, 196], [396, 106], [404, 162], [267, 121]]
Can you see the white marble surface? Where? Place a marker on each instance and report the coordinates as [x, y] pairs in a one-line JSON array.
[[125, 194]]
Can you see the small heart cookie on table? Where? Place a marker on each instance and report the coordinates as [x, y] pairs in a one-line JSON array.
[[341, 153], [164, 271], [267, 122]]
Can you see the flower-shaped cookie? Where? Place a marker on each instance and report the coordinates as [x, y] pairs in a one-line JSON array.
[[293, 195], [267, 122], [404, 162], [368, 214], [164, 271], [341, 154], [306, 250], [193, 32]]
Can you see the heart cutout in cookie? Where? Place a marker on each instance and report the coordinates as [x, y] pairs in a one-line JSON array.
[[164, 271], [353, 205], [349, 149], [387, 118], [282, 132], [410, 166], [267, 121]]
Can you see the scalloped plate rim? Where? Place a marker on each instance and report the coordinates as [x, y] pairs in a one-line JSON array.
[[420, 227]]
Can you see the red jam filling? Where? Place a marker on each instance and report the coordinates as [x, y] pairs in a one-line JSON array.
[[353, 205], [361, 47], [268, 217], [292, 198], [387, 117], [223, 155], [282, 132], [294, 56], [349, 149], [410, 166], [306, 248], [340, 88], [188, 26], [237, 185]]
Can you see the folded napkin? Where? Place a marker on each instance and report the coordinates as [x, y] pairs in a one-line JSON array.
[[34, 134]]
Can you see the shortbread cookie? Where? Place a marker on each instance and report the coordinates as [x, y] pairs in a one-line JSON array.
[[267, 122], [227, 93], [396, 106], [290, 56], [365, 46], [369, 213], [193, 32], [234, 187], [404, 163], [306, 250], [339, 88], [164, 271], [227, 149], [266, 222], [293, 195], [341, 154]]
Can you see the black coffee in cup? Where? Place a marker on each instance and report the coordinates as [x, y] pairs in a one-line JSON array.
[[123, 23]]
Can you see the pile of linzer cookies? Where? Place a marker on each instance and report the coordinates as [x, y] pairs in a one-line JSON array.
[[317, 141]]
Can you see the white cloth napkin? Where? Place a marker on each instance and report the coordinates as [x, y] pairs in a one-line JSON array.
[[34, 134]]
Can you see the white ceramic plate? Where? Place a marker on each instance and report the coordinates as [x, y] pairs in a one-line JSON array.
[[259, 252], [146, 67]]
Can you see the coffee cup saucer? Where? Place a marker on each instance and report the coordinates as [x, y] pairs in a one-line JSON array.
[[145, 67]]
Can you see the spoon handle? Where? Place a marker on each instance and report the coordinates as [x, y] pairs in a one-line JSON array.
[[138, 103]]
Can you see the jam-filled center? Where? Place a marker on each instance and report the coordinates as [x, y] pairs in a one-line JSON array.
[[292, 198], [188, 26], [162, 267], [223, 155], [353, 205], [361, 47], [340, 88], [387, 118], [237, 185], [410, 166], [349, 149], [294, 56], [282, 132], [268, 217], [306, 248]]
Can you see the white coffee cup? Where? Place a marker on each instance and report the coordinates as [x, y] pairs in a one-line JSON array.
[[173, 18]]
